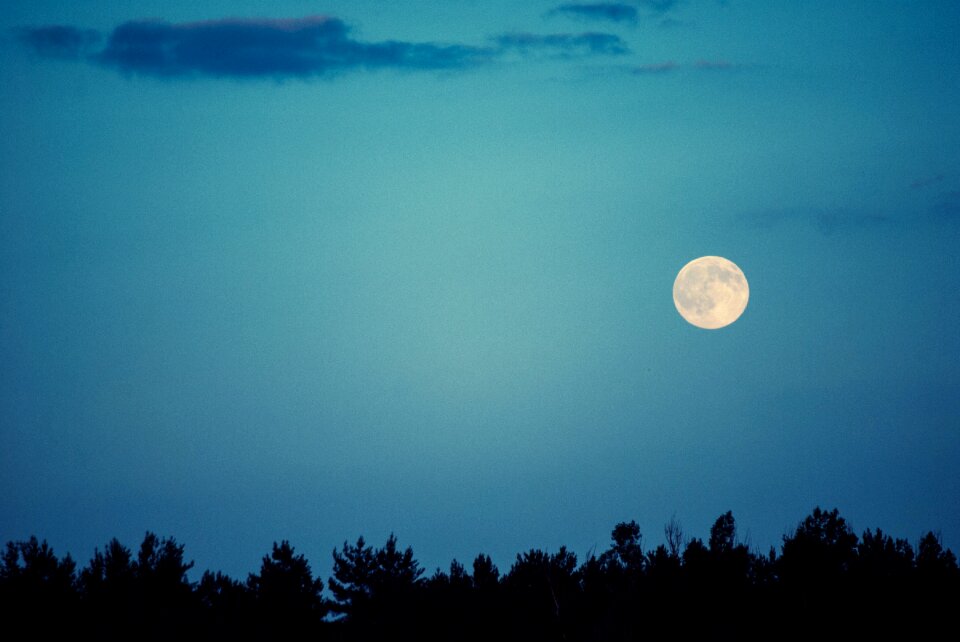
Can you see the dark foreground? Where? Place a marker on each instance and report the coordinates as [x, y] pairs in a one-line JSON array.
[[825, 582]]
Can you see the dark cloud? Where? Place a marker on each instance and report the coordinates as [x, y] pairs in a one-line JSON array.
[[58, 41], [599, 11], [310, 46], [280, 48], [564, 43]]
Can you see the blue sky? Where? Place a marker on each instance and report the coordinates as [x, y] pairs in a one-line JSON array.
[[407, 267]]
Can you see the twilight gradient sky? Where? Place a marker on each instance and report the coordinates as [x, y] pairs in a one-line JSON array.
[[408, 268]]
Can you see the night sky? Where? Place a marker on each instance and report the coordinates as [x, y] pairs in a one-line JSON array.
[[313, 270]]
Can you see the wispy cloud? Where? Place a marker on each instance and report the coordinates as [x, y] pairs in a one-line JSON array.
[[613, 11], [715, 65], [656, 68], [829, 222], [283, 48], [671, 66], [564, 43]]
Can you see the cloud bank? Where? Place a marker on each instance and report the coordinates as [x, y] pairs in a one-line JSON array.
[[280, 48]]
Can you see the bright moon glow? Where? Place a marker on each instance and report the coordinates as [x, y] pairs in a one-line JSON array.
[[710, 292]]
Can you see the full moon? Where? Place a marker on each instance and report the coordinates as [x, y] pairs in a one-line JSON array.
[[710, 292]]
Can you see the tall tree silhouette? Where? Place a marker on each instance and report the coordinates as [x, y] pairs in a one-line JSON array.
[[611, 585], [626, 553], [814, 569], [663, 563], [165, 595], [882, 560], [376, 589], [485, 614], [723, 534], [821, 549], [148, 597], [731, 560], [108, 585], [287, 596], [933, 561], [486, 575], [38, 587], [110, 573], [227, 607], [937, 588], [542, 589], [447, 604]]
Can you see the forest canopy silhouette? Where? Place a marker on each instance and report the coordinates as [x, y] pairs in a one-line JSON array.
[[824, 580]]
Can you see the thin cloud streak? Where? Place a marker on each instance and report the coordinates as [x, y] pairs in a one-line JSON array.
[[715, 65], [670, 66], [612, 11], [564, 43]]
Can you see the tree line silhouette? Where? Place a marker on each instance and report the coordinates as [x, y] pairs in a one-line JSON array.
[[825, 581]]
